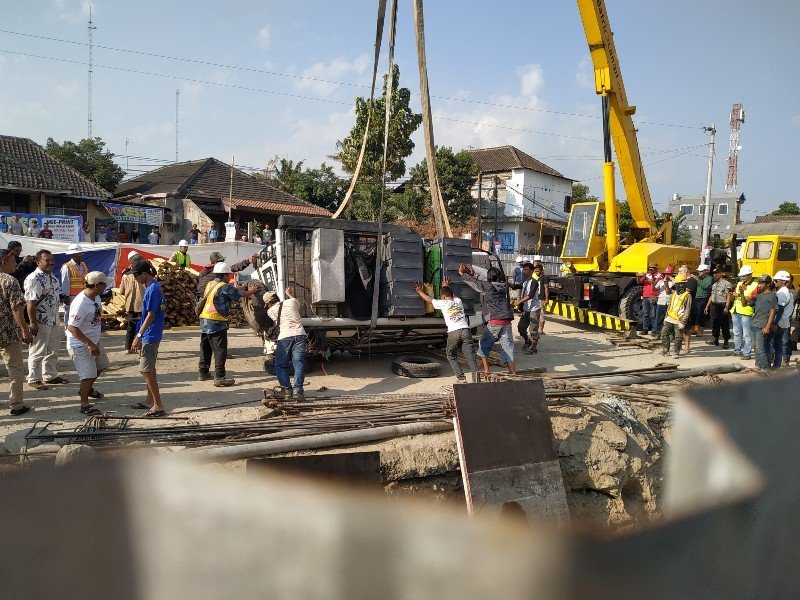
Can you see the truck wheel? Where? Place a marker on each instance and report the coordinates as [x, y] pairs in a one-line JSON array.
[[630, 305], [416, 366]]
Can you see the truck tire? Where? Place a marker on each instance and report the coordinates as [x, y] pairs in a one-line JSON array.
[[630, 305], [416, 366]]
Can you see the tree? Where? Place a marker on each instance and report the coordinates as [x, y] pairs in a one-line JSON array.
[[580, 193], [787, 208], [457, 173], [320, 186], [89, 158], [402, 123]]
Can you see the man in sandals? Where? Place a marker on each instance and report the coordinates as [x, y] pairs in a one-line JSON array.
[[83, 338], [13, 330], [149, 336]]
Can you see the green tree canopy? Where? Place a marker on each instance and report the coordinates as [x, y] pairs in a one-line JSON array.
[[403, 123], [457, 173], [787, 208], [320, 185], [89, 158], [580, 193]]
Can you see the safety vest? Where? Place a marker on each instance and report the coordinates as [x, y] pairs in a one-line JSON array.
[[209, 310], [676, 308], [738, 307], [182, 259], [77, 273]]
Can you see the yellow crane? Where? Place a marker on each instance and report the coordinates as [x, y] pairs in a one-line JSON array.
[[604, 263]]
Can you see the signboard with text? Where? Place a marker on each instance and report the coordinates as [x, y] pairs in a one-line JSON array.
[[125, 213], [60, 227]]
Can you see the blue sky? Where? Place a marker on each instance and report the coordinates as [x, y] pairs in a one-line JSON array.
[[505, 72]]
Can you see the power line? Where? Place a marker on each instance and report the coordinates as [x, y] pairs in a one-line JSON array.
[[327, 81]]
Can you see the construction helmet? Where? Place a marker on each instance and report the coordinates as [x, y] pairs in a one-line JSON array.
[[518, 259], [782, 276], [183, 243], [680, 278], [221, 268], [745, 270], [669, 270]]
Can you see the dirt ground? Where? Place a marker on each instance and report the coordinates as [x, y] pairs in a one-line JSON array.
[[612, 471]]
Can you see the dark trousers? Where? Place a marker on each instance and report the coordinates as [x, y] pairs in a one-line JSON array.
[[462, 338], [217, 344], [661, 312], [720, 321], [132, 328]]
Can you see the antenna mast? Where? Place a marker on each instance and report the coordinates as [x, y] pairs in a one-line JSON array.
[[177, 100], [737, 118], [90, 29]]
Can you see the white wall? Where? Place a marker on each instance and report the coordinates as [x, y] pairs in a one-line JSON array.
[[525, 185]]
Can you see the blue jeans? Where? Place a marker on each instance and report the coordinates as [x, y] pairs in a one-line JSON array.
[[780, 346], [661, 312], [762, 345], [649, 314], [493, 333], [192, 242], [741, 333], [294, 349]]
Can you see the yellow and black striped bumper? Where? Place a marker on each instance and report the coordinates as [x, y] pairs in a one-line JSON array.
[[589, 317]]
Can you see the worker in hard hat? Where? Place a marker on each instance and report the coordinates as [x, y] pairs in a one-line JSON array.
[[678, 311], [73, 273], [741, 312], [780, 340], [181, 256], [762, 322]]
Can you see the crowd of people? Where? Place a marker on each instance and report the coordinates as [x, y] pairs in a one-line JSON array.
[[760, 312]]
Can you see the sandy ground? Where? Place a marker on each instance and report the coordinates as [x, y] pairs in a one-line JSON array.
[[564, 348]]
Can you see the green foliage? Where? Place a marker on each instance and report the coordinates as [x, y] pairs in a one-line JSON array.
[[402, 123], [89, 158], [320, 185], [580, 193], [457, 173], [365, 203], [787, 208]]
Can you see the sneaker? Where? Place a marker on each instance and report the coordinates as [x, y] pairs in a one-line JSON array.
[[461, 378], [655, 335], [37, 385], [203, 376], [287, 394], [666, 353], [224, 382], [745, 357], [714, 342], [725, 345], [300, 396], [20, 410], [56, 380]]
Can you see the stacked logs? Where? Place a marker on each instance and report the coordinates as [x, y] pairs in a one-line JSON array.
[[114, 315], [179, 287]]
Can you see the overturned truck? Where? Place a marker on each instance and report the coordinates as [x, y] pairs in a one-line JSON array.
[[330, 264]]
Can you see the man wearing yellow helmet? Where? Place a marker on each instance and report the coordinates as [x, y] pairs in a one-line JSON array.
[[678, 311]]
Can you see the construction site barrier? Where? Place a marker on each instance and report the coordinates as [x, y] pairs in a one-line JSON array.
[[589, 317]]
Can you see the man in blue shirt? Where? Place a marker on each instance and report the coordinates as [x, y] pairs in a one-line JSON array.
[[149, 336], [217, 298]]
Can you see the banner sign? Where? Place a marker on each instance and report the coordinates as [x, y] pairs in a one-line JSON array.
[[124, 213], [66, 228]]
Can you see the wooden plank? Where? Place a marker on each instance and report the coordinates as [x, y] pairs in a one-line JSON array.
[[505, 443]]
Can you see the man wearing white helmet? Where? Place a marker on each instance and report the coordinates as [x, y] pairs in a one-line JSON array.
[[741, 312], [780, 339], [73, 273], [216, 306], [133, 293], [181, 256]]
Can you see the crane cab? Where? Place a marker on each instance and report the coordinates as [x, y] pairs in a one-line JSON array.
[[768, 254], [585, 240]]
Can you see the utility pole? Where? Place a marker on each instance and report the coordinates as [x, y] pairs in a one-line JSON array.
[[177, 104], [90, 29], [230, 190], [480, 210], [127, 158], [712, 130], [496, 203]]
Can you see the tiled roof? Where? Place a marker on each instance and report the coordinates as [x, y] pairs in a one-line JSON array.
[[278, 208], [210, 178], [507, 158], [24, 164]]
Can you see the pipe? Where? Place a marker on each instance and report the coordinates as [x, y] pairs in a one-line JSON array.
[[679, 374], [324, 440]]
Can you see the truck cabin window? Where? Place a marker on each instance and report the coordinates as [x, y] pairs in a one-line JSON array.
[[759, 250], [787, 252], [580, 230]]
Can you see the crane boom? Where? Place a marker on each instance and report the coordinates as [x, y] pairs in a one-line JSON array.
[[608, 82]]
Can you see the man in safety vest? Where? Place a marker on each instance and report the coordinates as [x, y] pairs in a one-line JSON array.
[[678, 311], [207, 274], [217, 299], [742, 312], [72, 274], [181, 258]]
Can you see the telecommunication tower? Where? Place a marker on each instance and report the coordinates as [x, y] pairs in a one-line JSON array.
[[737, 118], [90, 28]]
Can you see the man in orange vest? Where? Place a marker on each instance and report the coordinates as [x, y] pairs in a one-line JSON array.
[[217, 299], [73, 273]]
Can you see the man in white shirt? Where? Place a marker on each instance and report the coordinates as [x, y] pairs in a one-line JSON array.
[[528, 326], [782, 349], [42, 291], [83, 338], [291, 343], [152, 237], [458, 333]]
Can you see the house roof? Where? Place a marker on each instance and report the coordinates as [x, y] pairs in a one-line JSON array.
[[790, 228], [508, 158], [210, 178], [24, 164]]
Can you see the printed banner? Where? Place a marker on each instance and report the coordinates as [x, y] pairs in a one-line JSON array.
[[124, 213], [58, 227]]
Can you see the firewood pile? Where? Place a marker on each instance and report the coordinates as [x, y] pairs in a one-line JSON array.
[[114, 315]]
